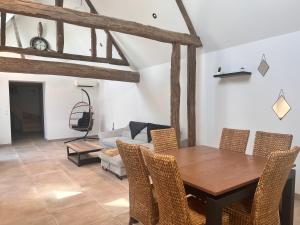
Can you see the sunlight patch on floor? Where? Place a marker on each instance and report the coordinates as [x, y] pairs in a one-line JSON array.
[[65, 194], [121, 202]]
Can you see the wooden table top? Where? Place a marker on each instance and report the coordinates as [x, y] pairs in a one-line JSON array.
[[217, 172], [84, 146]]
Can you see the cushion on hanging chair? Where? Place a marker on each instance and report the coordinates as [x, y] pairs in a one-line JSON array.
[[84, 121]]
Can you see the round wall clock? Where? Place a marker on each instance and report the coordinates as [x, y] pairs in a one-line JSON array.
[[39, 43]]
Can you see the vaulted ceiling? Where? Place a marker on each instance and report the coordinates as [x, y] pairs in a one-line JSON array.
[[220, 24]]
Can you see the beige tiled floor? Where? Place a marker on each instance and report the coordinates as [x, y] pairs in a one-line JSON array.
[[39, 186]]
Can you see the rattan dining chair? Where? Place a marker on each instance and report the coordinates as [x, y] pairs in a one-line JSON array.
[[143, 207], [234, 140], [265, 143], [173, 205], [164, 139], [265, 207]]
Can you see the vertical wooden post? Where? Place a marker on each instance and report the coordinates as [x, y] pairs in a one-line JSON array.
[[93, 36], [175, 89], [109, 47], [3, 29], [191, 95], [59, 30], [93, 42], [18, 38], [117, 47], [114, 43]]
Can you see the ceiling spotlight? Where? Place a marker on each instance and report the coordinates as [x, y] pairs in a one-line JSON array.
[[154, 15]]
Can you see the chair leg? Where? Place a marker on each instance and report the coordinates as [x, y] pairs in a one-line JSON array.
[[132, 221]]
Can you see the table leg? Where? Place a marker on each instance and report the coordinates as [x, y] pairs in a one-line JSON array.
[[287, 204], [213, 212], [68, 151], [79, 163]]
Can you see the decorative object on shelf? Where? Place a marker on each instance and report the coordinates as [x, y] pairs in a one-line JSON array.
[[234, 74], [39, 43], [263, 67], [281, 106]]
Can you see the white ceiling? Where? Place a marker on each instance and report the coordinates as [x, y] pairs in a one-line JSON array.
[[220, 24], [141, 52]]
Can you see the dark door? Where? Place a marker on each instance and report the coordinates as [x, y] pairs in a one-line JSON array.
[[26, 108]]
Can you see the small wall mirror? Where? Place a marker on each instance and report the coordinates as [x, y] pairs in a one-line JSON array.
[[281, 106], [263, 67]]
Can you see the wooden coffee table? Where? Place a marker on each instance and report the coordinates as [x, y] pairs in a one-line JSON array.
[[79, 152]]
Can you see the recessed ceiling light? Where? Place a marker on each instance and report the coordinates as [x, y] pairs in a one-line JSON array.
[[154, 15]]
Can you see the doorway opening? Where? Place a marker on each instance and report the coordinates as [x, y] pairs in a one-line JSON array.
[[26, 109]]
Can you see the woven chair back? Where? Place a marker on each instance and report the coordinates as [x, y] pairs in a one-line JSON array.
[[265, 143]]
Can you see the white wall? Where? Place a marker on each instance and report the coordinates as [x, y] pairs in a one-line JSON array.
[[147, 101], [5, 133], [60, 95], [247, 103]]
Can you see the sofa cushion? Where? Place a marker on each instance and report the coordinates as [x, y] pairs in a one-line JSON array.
[[142, 136], [136, 128], [135, 142], [111, 142]]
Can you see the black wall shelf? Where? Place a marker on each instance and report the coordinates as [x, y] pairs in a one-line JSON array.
[[235, 74]]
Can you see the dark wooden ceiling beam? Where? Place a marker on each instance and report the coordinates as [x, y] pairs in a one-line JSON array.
[[115, 44], [27, 66], [3, 28], [109, 48], [60, 30], [28, 8], [191, 78], [93, 32], [117, 47], [48, 54], [93, 43], [91, 6], [186, 17], [17, 34]]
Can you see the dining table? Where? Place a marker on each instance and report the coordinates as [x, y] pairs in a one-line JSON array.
[[224, 177]]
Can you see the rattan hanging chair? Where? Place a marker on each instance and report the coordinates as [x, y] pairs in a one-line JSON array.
[[81, 117]]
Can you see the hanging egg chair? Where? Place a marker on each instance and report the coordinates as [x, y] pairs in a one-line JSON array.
[[81, 117]]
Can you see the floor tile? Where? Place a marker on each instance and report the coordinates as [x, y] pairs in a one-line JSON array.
[[47, 220], [88, 213]]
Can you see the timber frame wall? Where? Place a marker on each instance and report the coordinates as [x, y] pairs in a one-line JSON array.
[[95, 21]]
